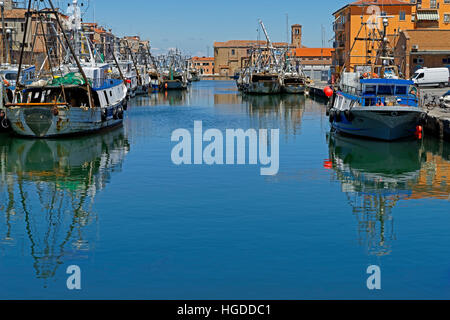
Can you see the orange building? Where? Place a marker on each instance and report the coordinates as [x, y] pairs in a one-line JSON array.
[[204, 65], [357, 20], [354, 21]]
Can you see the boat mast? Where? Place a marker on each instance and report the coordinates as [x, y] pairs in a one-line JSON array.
[[117, 64], [134, 62], [88, 87], [25, 31], [269, 43]]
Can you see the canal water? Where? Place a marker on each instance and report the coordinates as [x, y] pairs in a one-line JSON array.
[[140, 227]]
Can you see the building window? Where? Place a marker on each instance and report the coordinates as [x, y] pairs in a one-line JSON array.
[[433, 4], [402, 16], [447, 17], [233, 52]]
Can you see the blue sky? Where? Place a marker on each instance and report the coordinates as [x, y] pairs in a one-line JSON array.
[[193, 25]]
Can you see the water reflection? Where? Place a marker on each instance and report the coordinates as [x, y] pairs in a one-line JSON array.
[[47, 190], [375, 176], [166, 98]]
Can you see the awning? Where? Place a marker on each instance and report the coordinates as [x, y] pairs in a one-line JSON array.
[[427, 15]]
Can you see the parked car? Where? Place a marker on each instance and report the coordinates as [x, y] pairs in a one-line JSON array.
[[432, 77]]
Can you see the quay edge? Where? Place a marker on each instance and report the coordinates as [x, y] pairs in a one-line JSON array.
[[438, 123]]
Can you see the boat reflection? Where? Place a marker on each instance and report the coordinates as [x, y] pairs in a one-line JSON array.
[[375, 176], [48, 189], [165, 98], [277, 111]]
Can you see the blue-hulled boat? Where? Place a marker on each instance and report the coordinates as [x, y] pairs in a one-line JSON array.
[[385, 109]]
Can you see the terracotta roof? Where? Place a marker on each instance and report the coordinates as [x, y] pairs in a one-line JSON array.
[[313, 52], [202, 59], [246, 44], [376, 3]]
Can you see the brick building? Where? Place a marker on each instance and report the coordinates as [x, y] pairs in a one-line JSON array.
[[229, 56], [36, 45], [422, 48]]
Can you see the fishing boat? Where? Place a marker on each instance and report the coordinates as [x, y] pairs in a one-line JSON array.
[[194, 77], [375, 102], [173, 71], [74, 103], [154, 80], [294, 79], [263, 83], [129, 74], [294, 82], [263, 74]]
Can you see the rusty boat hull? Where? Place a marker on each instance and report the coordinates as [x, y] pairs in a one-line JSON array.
[[43, 122]]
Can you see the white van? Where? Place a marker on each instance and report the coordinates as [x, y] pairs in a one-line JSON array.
[[432, 77]]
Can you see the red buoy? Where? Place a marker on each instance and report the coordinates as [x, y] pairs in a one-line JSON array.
[[419, 132], [328, 92]]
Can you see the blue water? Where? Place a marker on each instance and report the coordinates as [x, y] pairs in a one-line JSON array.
[[140, 227]]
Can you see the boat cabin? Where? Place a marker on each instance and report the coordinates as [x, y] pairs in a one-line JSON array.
[[388, 92], [10, 75]]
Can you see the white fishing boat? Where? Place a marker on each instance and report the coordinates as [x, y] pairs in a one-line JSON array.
[[85, 98]]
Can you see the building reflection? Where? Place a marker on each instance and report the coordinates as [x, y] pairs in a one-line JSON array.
[[164, 98], [48, 188], [434, 176]]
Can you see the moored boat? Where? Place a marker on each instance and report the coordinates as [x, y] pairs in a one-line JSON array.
[[385, 109], [74, 103]]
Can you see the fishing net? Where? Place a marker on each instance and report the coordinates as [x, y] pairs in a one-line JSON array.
[[73, 78]]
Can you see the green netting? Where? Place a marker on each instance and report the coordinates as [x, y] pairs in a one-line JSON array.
[[72, 78]]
